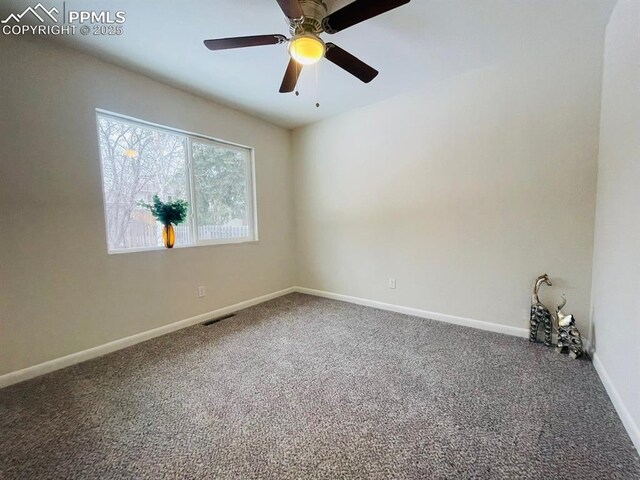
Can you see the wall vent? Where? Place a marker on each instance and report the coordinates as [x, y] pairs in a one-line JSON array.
[[216, 320]]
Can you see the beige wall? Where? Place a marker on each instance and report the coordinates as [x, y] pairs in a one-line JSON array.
[[464, 191], [60, 292], [616, 279]]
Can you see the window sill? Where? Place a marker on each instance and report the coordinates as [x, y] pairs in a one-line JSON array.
[[181, 247]]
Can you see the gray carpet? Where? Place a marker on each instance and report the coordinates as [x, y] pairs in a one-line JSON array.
[[303, 387]]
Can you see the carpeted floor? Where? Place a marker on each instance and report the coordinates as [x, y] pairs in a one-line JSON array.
[[303, 387]]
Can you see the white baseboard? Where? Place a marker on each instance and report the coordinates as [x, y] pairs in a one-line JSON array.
[[68, 360], [442, 317], [415, 312], [626, 418]]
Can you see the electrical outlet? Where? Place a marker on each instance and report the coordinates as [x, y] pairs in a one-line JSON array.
[[392, 283], [201, 291]]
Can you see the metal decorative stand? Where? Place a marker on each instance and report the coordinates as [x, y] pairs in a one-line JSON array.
[[569, 338], [540, 314]]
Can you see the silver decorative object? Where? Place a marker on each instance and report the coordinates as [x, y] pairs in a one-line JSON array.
[[540, 313], [569, 338]]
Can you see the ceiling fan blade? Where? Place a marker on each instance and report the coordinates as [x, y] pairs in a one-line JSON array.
[[357, 12], [351, 64], [291, 77], [291, 8], [241, 42]]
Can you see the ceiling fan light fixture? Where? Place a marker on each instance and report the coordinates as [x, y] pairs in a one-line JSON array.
[[307, 19], [307, 49]]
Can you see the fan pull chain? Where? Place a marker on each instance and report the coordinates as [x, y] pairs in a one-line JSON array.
[[297, 76], [317, 83]]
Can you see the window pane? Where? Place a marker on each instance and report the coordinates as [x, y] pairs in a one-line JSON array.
[[221, 189], [137, 163]]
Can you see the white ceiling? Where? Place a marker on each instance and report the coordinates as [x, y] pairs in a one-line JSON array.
[[423, 41]]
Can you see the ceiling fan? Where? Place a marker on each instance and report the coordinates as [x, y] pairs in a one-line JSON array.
[[307, 20]]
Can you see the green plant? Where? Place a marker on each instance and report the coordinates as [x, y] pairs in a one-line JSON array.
[[167, 213]]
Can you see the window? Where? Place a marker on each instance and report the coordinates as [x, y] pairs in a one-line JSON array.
[[140, 160]]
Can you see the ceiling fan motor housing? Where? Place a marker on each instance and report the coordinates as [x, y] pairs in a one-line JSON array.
[[314, 12]]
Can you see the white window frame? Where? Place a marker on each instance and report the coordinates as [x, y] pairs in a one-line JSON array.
[[252, 205]]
